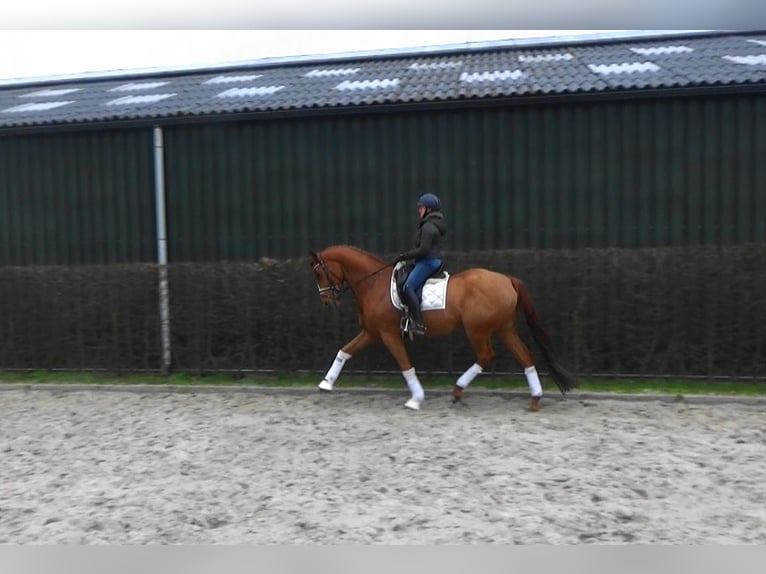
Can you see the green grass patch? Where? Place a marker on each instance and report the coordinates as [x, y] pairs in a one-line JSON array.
[[631, 386]]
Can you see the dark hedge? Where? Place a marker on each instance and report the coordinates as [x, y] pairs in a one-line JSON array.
[[691, 311]]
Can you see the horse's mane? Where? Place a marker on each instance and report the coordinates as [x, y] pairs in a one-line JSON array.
[[358, 250]]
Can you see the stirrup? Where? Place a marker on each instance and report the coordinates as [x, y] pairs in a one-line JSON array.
[[410, 328], [405, 326], [417, 328]]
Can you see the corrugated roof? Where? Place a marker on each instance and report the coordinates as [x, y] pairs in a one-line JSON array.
[[501, 70]]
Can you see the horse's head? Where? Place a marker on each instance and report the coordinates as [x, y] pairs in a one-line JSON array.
[[329, 277]]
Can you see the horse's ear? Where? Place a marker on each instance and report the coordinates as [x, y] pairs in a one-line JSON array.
[[314, 256]]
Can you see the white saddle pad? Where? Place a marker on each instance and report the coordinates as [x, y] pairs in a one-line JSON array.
[[434, 292]]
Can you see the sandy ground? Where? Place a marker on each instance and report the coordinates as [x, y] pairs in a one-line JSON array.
[[256, 467]]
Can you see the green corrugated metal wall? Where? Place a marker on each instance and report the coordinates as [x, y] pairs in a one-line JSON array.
[[627, 173], [77, 198], [620, 173]]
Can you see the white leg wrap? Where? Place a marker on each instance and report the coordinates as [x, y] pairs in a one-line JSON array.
[[414, 384], [466, 378], [535, 388], [336, 367]]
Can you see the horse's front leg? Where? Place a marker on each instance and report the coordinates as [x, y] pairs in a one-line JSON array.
[[358, 343], [393, 341]]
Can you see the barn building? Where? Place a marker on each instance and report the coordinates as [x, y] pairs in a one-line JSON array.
[[629, 142]]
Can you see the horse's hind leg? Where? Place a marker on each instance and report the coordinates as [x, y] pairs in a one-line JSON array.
[[511, 339], [482, 345]]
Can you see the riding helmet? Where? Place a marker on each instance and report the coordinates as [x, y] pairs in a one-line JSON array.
[[430, 201]]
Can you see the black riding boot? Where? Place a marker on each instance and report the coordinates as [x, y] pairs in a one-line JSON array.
[[413, 304]]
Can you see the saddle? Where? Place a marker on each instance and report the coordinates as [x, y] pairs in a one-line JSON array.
[[432, 295]]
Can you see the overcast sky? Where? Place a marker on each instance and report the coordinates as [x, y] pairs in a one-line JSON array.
[[64, 37], [42, 53]]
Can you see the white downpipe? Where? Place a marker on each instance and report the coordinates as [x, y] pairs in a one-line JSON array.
[[162, 248]]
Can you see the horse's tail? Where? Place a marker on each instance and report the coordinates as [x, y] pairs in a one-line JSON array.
[[561, 377]]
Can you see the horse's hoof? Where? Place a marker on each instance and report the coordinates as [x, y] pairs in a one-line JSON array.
[[413, 404], [325, 385], [534, 404]]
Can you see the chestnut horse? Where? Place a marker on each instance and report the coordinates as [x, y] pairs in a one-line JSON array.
[[484, 302]]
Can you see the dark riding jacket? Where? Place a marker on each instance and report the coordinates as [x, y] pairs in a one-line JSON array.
[[431, 230]]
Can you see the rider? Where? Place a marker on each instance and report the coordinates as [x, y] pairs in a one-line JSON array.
[[426, 254]]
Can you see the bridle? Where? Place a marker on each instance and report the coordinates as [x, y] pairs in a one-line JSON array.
[[339, 287]]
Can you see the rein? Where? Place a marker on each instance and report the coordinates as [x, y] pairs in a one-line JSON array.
[[386, 266]]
